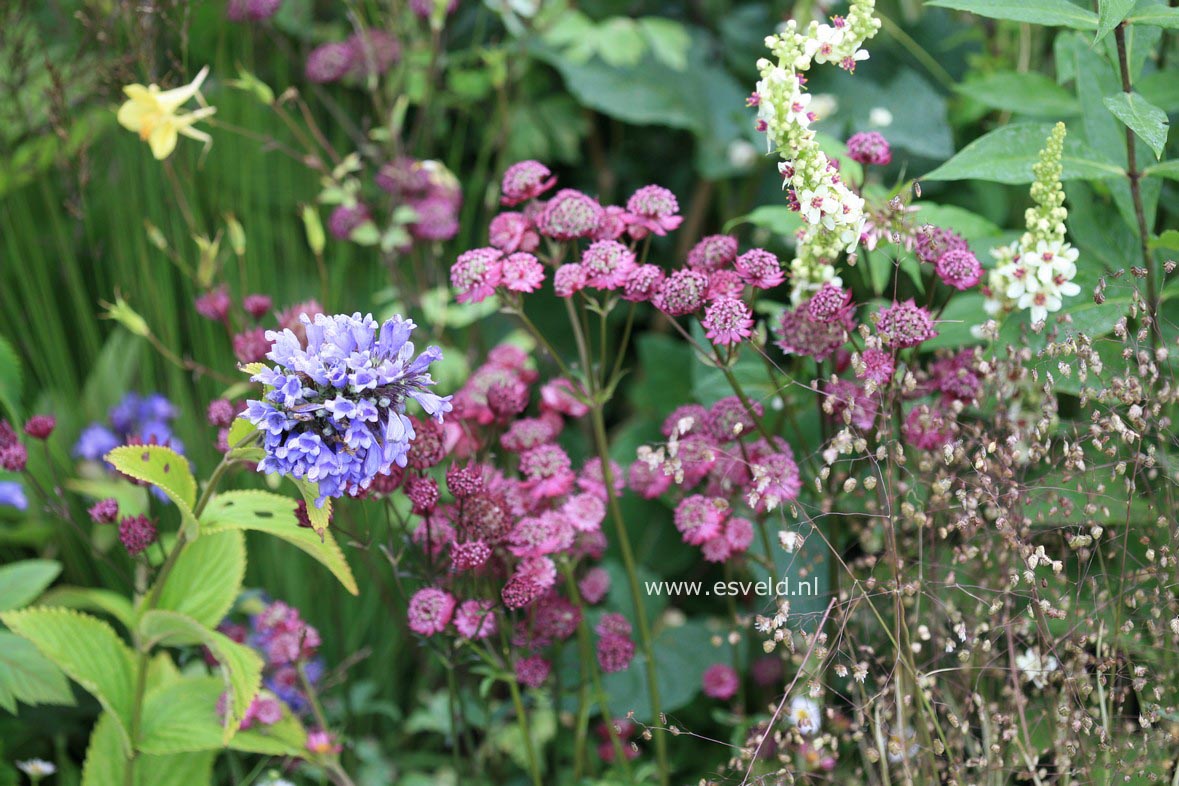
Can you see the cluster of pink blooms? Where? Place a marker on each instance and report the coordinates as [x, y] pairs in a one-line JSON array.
[[711, 285], [246, 328], [287, 645], [362, 54], [497, 535], [427, 187]]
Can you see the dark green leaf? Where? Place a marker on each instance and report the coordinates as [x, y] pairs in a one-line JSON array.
[[1054, 13], [1007, 154], [1029, 93], [1110, 14], [1142, 117], [1158, 16]]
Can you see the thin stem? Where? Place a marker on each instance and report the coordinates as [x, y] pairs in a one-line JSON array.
[[1135, 178], [522, 719]]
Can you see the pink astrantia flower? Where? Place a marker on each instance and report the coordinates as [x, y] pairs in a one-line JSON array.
[[607, 264], [476, 273], [584, 511], [829, 304], [537, 536], [798, 334], [928, 428], [522, 272], [647, 482], [430, 610], [568, 279], [720, 681], [594, 585], [560, 395], [729, 418], [475, 619], [725, 283], [526, 180], [958, 268], [738, 533], [591, 480], [699, 518], [533, 671], [877, 366], [682, 293], [615, 652], [569, 215], [869, 147], [842, 395], [533, 577], [713, 252], [642, 283], [727, 321], [906, 324], [512, 232], [760, 269], [651, 210]]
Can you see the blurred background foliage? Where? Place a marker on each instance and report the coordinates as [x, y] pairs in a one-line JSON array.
[[613, 94]]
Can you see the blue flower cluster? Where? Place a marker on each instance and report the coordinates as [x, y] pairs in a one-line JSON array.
[[12, 495], [334, 411], [134, 420]]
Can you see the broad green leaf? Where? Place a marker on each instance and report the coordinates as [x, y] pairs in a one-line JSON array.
[[181, 717], [1029, 93], [668, 39], [1168, 240], [1161, 89], [320, 517], [28, 676], [240, 665], [132, 499], [1168, 169], [970, 225], [1007, 154], [1142, 117], [206, 578], [165, 469], [88, 650], [274, 514], [92, 599], [1158, 16], [106, 764], [619, 41], [288, 737], [10, 379], [21, 582], [1110, 14], [1053, 13], [777, 219]]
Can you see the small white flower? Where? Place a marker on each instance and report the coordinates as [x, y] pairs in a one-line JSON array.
[[902, 746], [880, 117], [1036, 669], [806, 715], [36, 768]]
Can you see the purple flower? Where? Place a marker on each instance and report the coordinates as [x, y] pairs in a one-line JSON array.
[[335, 410], [12, 495]]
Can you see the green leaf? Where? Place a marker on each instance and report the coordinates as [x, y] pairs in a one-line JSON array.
[[320, 517], [88, 650], [21, 582], [1142, 117], [778, 219], [90, 599], [970, 225], [1158, 16], [619, 41], [1006, 155], [10, 379], [106, 764], [1168, 240], [181, 717], [1110, 14], [288, 737], [1168, 169], [206, 578], [274, 514], [1029, 93], [165, 469], [668, 39], [28, 676], [240, 665], [1054, 13]]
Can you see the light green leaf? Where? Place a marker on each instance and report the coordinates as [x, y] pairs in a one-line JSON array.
[[10, 379], [1168, 240], [132, 499], [165, 469], [285, 738], [619, 41], [1054, 13], [240, 665], [21, 582], [320, 517], [28, 676], [668, 39], [181, 717], [1007, 154], [1110, 14], [1168, 169], [91, 599], [206, 578], [1029, 93], [1142, 117], [88, 650], [1158, 16], [106, 764], [777, 219], [263, 511]]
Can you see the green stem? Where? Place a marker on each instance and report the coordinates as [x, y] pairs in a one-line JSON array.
[[522, 719]]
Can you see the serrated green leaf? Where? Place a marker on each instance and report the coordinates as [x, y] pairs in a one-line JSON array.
[[274, 514], [1142, 117], [1007, 154], [88, 650], [1158, 16], [1029, 93], [21, 582], [92, 599], [1053, 13], [10, 379], [165, 469], [206, 578], [107, 766], [240, 665], [320, 517], [28, 676], [1110, 14], [181, 717]]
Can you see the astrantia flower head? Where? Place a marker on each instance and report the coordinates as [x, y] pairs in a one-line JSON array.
[[652, 210], [729, 419], [334, 412], [906, 324], [568, 280], [373, 52], [329, 62], [760, 269], [958, 268], [699, 518], [476, 273], [511, 232], [345, 219], [569, 215], [798, 334], [876, 366], [155, 115], [727, 321], [526, 180], [642, 283], [430, 610], [607, 264], [720, 681], [683, 292], [869, 147], [829, 303], [934, 241], [533, 671], [713, 252], [105, 511], [928, 428], [522, 272], [475, 619], [136, 533]]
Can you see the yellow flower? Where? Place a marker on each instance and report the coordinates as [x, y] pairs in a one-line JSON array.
[[154, 114]]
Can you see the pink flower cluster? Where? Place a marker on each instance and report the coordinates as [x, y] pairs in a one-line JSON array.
[[371, 52]]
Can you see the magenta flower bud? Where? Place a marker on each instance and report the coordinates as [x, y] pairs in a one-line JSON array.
[[40, 426]]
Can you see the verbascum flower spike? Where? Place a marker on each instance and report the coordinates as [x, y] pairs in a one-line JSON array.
[[155, 114], [833, 214], [1036, 272]]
